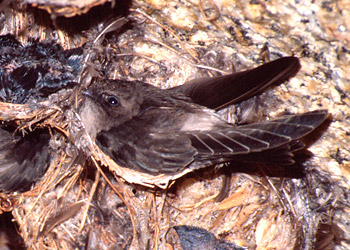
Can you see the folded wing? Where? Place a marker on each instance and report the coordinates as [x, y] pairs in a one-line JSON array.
[[222, 91], [269, 136], [171, 152]]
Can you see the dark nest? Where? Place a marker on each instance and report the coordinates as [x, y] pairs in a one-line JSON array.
[[83, 202]]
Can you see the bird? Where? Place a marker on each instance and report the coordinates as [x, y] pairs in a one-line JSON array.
[[33, 71], [167, 132], [29, 74]]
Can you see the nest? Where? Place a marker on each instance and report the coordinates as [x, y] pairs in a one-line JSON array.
[[83, 200]]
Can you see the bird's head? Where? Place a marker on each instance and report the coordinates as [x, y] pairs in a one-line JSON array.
[[108, 103]]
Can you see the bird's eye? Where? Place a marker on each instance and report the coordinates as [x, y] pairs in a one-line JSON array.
[[111, 100]]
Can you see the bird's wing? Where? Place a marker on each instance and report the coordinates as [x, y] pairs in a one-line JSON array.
[[151, 153], [279, 135], [222, 91], [134, 147], [22, 159]]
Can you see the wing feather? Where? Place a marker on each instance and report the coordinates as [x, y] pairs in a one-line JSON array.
[[133, 146], [23, 160]]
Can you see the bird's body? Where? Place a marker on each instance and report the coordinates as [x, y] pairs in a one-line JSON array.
[[159, 131], [23, 158]]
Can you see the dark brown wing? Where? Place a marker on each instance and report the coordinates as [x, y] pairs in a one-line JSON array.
[[271, 137], [222, 91], [23, 160], [132, 145]]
